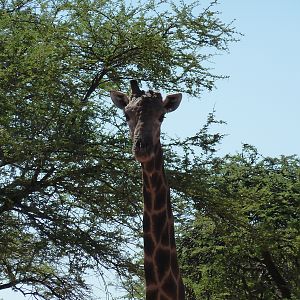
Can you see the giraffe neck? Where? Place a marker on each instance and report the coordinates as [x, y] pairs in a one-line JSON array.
[[163, 280]]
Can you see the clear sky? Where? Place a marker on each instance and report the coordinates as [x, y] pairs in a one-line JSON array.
[[261, 100]]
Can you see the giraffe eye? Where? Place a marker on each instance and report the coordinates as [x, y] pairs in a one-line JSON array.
[[161, 118]]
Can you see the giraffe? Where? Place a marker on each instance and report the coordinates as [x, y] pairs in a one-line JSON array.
[[144, 112]]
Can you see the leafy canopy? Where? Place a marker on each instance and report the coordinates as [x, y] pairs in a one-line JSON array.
[[243, 237]]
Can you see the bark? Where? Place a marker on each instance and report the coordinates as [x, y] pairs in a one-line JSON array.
[[280, 282]]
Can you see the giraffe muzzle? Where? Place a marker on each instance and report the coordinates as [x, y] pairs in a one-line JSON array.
[[142, 150]]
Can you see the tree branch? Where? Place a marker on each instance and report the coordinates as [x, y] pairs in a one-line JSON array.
[[94, 84], [280, 282]]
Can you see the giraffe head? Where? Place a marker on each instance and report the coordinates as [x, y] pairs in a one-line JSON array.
[[144, 112]]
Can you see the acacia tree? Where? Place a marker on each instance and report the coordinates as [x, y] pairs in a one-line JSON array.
[[69, 190], [243, 237]]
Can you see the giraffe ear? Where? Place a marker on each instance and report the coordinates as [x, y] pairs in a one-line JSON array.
[[119, 99], [172, 102]]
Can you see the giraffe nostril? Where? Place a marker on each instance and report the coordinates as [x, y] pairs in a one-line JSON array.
[[142, 149], [140, 144]]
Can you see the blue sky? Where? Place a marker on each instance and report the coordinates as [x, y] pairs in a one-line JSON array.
[[261, 100]]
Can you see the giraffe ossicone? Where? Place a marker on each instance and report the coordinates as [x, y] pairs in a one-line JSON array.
[[144, 113]]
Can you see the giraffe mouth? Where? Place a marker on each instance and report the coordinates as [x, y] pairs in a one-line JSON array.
[[142, 156]]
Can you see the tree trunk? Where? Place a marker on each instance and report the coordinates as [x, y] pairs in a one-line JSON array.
[[280, 282]]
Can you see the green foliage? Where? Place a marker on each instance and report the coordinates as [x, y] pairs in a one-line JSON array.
[[70, 196], [69, 189], [244, 237]]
